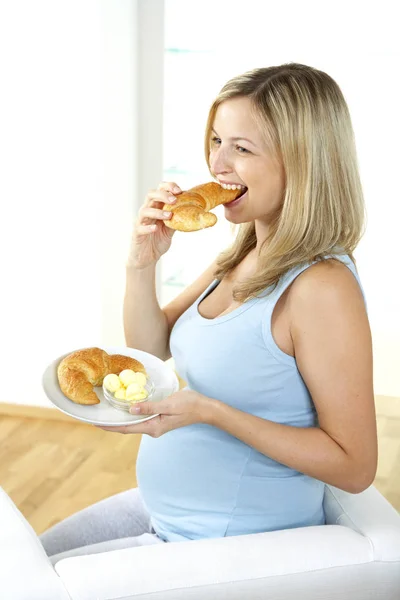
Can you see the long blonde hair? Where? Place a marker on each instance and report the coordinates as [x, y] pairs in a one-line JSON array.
[[306, 121]]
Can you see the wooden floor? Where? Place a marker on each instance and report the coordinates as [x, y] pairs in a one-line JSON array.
[[52, 469]]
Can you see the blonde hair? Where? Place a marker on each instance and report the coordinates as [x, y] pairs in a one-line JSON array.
[[306, 122]]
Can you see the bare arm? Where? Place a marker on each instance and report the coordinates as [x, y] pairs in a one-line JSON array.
[[147, 326]]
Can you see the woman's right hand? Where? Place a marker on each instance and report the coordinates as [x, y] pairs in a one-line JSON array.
[[151, 238]]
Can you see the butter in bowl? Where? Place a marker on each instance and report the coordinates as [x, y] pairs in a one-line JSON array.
[[127, 388]]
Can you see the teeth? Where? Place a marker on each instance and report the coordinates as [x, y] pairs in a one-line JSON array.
[[232, 186]]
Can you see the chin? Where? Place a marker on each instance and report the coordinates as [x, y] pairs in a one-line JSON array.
[[236, 219], [232, 218]]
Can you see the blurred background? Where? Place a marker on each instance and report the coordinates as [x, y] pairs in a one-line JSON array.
[[103, 99]]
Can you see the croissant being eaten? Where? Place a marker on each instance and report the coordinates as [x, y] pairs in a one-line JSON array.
[[191, 210], [79, 372]]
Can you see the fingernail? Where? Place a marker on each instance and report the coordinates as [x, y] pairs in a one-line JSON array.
[[134, 410], [176, 188], [166, 214], [172, 199]]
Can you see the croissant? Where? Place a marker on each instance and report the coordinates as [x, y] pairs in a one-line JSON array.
[[190, 212], [84, 369]]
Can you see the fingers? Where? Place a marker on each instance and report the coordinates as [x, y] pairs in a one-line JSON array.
[[116, 429], [170, 186], [148, 427], [151, 211], [145, 229], [150, 408], [164, 193], [144, 408], [151, 215], [148, 218], [154, 197], [148, 215]]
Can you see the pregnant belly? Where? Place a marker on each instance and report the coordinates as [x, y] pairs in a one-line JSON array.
[[189, 468], [199, 482]]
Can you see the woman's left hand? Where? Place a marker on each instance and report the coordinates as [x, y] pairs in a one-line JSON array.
[[178, 410]]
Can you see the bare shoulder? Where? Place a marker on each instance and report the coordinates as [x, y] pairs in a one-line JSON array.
[[328, 284], [326, 300]]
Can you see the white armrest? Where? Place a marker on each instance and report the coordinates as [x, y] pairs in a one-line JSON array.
[[371, 515], [25, 570], [178, 566], [314, 563]]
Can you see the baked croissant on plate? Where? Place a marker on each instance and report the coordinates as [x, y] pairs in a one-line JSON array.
[[84, 369], [191, 210]]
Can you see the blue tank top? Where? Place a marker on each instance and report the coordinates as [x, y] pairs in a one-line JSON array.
[[199, 481]]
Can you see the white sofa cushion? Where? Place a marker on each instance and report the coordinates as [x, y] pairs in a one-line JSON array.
[[167, 568], [355, 556]]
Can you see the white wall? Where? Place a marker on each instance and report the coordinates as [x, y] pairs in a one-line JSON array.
[[71, 179], [81, 142], [133, 86], [118, 58]]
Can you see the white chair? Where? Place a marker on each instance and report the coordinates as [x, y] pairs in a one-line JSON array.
[[356, 556]]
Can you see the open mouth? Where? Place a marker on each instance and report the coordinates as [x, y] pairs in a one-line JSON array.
[[243, 191], [239, 191], [240, 194]]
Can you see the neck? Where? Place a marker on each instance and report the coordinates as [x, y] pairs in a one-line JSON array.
[[262, 231]]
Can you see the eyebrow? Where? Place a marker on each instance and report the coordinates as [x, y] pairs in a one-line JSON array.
[[236, 139]]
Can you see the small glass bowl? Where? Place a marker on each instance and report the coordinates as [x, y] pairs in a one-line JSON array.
[[126, 404]]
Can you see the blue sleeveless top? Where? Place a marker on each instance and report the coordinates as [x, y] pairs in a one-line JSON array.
[[199, 481]]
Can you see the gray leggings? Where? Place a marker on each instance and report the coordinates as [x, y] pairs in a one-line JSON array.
[[120, 521]]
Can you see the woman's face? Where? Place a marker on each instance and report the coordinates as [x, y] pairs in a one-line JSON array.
[[239, 155]]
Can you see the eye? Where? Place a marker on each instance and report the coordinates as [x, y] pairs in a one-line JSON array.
[[242, 150], [215, 141]]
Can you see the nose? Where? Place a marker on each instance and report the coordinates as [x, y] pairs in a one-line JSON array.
[[219, 161]]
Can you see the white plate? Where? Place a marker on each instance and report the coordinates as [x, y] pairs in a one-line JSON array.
[[163, 377]]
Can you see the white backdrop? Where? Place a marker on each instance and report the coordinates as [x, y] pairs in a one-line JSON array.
[[68, 162], [75, 164]]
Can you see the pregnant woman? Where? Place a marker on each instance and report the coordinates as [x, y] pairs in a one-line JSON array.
[[272, 339]]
